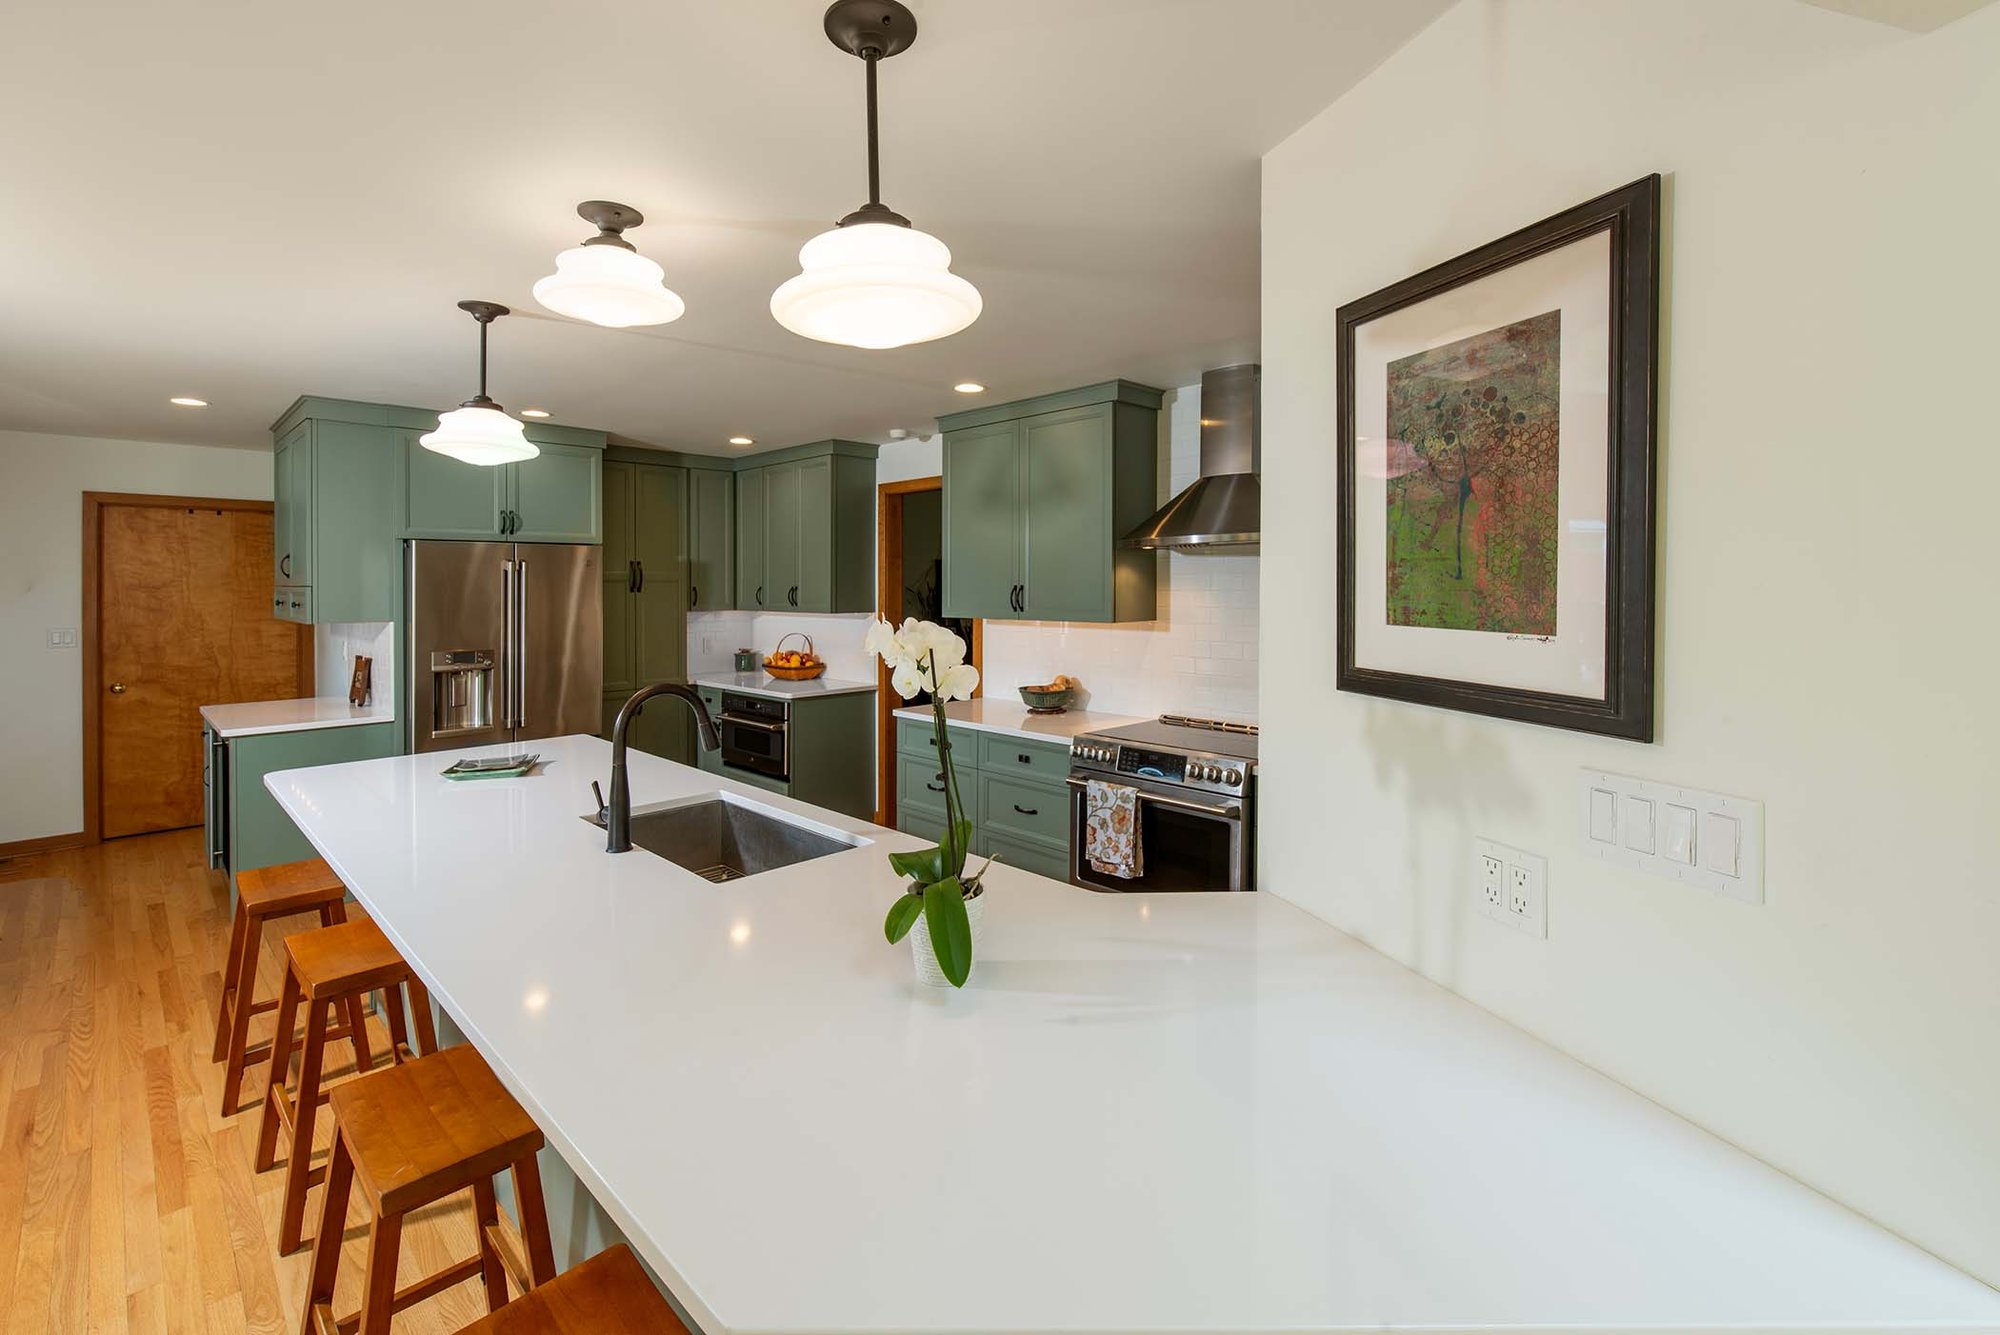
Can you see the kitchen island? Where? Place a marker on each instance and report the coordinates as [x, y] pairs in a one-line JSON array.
[[1143, 1113]]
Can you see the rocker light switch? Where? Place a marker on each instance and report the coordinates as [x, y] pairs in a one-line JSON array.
[[1638, 821], [1690, 835], [1677, 833], [1720, 842], [1603, 815]]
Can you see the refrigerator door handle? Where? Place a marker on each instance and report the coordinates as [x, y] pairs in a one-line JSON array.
[[521, 647], [508, 663]]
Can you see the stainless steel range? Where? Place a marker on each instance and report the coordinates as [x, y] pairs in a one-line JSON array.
[[1196, 781]]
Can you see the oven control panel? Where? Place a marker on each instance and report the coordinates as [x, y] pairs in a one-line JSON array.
[[1095, 756]]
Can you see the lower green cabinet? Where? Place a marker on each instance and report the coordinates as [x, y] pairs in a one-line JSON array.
[[257, 831], [1016, 793]]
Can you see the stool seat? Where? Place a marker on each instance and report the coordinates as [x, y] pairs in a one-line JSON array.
[[430, 1127], [609, 1292], [345, 958], [290, 887]]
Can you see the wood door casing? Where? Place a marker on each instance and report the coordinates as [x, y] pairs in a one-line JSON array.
[[179, 615]]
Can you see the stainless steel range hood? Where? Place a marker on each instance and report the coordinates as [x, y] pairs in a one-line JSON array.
[[1221, 513]]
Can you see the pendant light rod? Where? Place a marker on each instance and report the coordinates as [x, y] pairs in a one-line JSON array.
[[873, 30], [871, 57], [486, 312]]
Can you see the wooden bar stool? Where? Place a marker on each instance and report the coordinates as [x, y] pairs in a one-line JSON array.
[[264, 894], [413, 1135], [607, 1293], [329, 966]]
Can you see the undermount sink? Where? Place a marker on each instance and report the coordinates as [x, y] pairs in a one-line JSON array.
[[724, 838]]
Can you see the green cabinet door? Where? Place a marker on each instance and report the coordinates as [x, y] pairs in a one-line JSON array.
[[557, 495], [982, 531], [750, 591], [815, 536], [356, 561], [783, 499], [292, 508], [619, 581], [448, 498], [1066, 514], [659, 615], [710, 537]]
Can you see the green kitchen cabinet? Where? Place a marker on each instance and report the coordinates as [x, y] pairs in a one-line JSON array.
[[335, 535], [557, 496], [830, 740], [644, 591], [1016, 793], [711, 536], [1037, 496], [256, 831], [805, 530]]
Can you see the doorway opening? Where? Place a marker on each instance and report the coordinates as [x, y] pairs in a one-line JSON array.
[[176, 615], [909, 570]]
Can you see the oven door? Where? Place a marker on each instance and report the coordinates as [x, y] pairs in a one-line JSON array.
[[755, 744], [1188, 841]]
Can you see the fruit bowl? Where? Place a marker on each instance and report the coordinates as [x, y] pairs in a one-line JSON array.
[[794, 664], [1051, 698]]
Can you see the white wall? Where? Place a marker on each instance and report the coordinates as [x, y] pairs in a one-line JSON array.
[[42, 481], [1826, 568]]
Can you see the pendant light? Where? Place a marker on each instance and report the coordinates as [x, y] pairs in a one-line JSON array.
[[479, 431], [606, 281], [874, 281]]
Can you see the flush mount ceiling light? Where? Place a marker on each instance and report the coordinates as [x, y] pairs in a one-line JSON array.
[[741, 440], [969, 387], [479, 431], [606, 281], [185, 401], [874, 281], [534, 412]]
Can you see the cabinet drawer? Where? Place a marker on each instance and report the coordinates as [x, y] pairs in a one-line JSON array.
[[1027, 855], [1023, 808], [293, 603], [916, 737], [1047, 761], [919, 785], [921, 822]]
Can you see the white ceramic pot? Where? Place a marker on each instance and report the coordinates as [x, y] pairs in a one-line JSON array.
[[928, 972]]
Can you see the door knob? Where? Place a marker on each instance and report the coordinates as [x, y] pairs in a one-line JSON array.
[[118, 688]]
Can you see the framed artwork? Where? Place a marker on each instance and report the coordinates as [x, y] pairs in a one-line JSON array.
[[1496, 475]]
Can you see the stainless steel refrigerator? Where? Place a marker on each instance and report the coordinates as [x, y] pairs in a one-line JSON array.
[[506, 642]]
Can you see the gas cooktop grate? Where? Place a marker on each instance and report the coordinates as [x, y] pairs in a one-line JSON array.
[[1209, 724]]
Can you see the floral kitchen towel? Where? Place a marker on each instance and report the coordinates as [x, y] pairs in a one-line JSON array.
[[1111, 830]]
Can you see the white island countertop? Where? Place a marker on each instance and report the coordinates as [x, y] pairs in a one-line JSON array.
[[1145, 1113], [776, 688], [267, 716], [1014, 719]]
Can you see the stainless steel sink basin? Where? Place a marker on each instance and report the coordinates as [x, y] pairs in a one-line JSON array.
[[723, 838]]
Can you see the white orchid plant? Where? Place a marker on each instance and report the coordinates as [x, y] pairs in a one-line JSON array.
[[924, 656]]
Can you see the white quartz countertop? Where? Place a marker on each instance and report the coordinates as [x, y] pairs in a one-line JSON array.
[[262, 716], [1015, 720], [772, 688], [1145, 1113]]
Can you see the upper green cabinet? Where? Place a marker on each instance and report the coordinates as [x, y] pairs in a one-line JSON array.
[[711, 530], [336, 538], [1037, 495], [805, 530], [558, 496]]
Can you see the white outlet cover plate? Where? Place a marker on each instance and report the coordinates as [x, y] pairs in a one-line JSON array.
[[1534, 922], [1746, 886]]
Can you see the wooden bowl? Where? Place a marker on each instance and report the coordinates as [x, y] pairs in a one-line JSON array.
[[796, 673]]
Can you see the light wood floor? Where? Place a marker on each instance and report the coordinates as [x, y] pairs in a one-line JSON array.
[[126, 1202]]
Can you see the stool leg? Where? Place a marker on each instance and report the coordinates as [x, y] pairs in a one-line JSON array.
[[492, 1274], [332, 1228], [298, 1163], [356, 1010], [242, 998], [281, 1066], [399, 1026], [231, 979], [534, 1221], [420, 1011], [378, 1295]]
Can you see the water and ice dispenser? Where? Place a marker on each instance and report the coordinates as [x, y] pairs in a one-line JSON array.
[[462, 691]]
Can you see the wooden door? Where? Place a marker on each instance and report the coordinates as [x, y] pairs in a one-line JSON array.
[[182, 594], [982, 527]]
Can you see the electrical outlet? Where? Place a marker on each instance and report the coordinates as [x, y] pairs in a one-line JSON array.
[[1512, 887]]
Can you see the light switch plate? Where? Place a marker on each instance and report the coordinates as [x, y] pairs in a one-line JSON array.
[[1518, 897], [1684, 826]]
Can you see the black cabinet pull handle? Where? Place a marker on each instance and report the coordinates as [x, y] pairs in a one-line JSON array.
[[760, 595], [1025, 759], [642, 575], [694, 596], [631, 577], [286, 565], [1027, 811], [935, 787]]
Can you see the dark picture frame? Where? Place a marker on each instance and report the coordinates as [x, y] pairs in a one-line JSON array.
[[1631, 215]]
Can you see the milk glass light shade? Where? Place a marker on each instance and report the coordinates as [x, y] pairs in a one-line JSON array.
[[609, 285], [875, 285], [477, 435]]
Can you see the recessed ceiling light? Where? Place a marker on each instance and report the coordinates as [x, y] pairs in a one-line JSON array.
[[741, 440], [183, 401], [969, 387], [534, 412]]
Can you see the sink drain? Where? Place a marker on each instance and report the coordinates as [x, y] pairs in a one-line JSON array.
[[719, 873]]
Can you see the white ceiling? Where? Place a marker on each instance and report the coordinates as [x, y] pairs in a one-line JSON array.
[[245, 200]]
